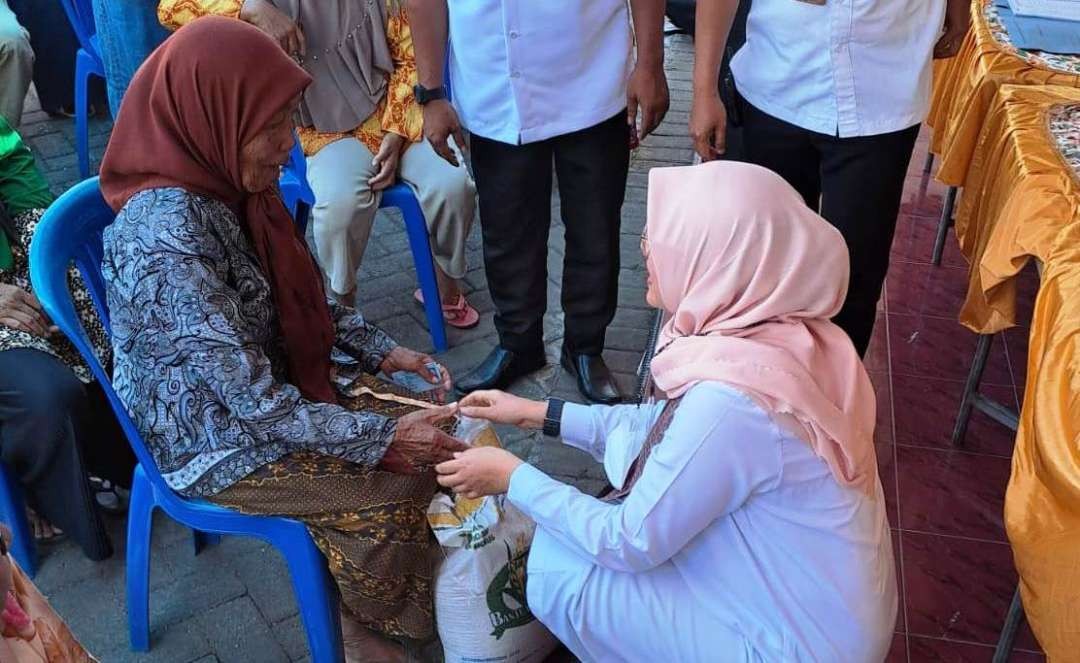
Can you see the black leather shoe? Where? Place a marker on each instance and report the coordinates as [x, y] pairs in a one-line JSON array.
[[594, 380], [499, 369]]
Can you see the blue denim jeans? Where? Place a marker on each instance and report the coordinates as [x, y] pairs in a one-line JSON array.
[[128, 31]]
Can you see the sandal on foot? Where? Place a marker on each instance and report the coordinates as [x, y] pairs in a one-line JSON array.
[[460, 314], [109, 496]]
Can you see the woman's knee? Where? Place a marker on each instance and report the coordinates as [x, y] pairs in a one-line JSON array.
[[454, 192], [40, 408]]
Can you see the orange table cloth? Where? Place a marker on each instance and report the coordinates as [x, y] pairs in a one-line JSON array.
[[1022, 202], [1042, 502], [964, 87], [1021, 190]]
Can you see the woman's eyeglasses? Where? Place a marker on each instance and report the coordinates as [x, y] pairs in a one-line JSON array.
[[645, 243]]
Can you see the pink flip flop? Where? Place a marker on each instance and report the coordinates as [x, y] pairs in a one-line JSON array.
[[460, 314]]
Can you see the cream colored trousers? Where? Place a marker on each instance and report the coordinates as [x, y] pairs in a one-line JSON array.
[[345, 206], [16, 65]]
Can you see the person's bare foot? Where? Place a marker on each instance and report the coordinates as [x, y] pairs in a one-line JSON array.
[[362, 645], [44, 531]]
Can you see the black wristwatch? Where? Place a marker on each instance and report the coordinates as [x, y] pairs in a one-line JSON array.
[[426, 96], [553, 418]]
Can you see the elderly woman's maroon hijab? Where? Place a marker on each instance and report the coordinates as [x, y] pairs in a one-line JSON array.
[[193, 104]]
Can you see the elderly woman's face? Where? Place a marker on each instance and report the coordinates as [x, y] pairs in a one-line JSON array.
[[262, 157]]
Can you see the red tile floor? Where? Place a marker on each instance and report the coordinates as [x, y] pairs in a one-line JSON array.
[[954, 563]]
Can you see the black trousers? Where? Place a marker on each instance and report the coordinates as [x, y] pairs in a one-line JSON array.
[[54, 430], [856, 184], [514, 186]]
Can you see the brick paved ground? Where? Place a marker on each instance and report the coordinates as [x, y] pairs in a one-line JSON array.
[[234, 602]]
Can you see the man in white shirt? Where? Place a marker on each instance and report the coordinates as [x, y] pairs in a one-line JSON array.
[[536, 84], [831, 96]]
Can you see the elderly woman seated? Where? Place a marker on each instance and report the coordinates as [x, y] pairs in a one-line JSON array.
[[223, 335], [361, 129], [748, 522]]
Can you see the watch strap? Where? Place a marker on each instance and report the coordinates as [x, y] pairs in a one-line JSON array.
[[427, 95], [553, 418]]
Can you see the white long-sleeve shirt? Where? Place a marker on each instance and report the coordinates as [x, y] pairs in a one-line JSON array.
[[844, 68], [765, 541], [526, 70]]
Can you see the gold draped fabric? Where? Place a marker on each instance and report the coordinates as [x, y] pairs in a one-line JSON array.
[[964, 88], [1019, 193], [1022, 201], [1042, 503]]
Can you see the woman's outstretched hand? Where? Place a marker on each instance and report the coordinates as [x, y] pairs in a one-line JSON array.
[[503, 408], [479, 471]]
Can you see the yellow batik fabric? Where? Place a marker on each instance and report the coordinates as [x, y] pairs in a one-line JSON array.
[[398, 111]]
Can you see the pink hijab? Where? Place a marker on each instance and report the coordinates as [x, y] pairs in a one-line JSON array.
[[751, 277]]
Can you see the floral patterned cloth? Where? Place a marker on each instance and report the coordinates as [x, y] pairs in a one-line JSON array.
[[57, 346], [397, 113], [1067, 63], [1065, 129], [199, 356]]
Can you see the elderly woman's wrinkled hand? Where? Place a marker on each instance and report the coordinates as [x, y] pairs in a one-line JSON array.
[[478, 472], [411, 361], [21, 311], [418, 445]]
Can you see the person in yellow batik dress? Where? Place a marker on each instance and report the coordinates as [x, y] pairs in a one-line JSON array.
[[361, 130]]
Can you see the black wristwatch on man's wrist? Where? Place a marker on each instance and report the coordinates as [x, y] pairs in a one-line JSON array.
[[427, 95], [553, 418]]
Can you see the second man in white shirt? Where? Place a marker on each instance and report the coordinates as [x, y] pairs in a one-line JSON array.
[[539, 84]]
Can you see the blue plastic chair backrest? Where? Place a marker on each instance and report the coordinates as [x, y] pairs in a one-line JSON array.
[[70, 231], [80, 14]]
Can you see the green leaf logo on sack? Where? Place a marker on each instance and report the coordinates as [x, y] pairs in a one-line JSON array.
[[506, 593]]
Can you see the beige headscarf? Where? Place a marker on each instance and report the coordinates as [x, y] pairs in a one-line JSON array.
[[348, 57], [751, 277]]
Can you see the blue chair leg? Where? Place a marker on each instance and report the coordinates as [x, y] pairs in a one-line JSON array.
[[203, 540], [83, 67], [317, 598], [416, 227], [13, 512], [140, 527]]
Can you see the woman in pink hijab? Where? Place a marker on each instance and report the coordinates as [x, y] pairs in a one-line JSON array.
[[747, 521]]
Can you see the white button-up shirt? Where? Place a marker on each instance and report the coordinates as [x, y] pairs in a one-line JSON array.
[[736, 543], [847, 68], [526, 70]]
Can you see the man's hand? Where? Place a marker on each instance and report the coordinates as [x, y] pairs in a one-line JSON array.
[[417, 445], [404, 359], [271, 20], [386, 162], [708, 125], [21, 311], [957, 22], [440, 123], [646, 91], [478, 472]]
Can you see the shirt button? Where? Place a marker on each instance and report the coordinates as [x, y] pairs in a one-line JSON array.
[[514, 34], [515, 74]]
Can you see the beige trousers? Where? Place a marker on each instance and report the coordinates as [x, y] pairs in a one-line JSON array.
[[16, 65], [345, 206]]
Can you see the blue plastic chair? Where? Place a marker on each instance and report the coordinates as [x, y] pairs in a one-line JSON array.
[[13, 512], [299, 199], [87, 62], [71, 231]]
